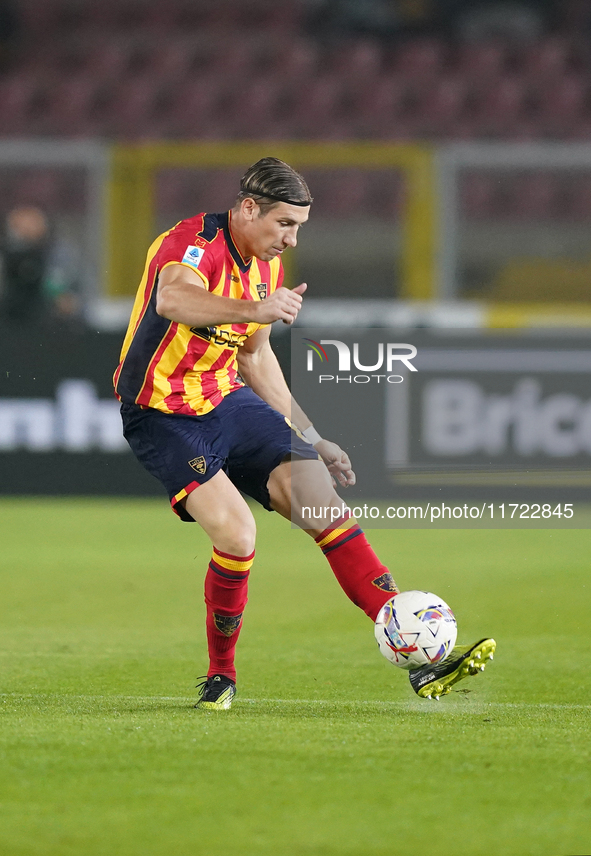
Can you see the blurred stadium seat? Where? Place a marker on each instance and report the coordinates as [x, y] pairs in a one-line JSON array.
[[482, 62], [39, 17], [361, 62], [39, 187], [499, 106], [177, 60], [443, 107], [297, 60], [192, 110], [542, 62], [134, 107], [180, 193], [111, 59], [254, 106], [379, 109], [75, 106], [420, 60], [317, 109], [18, 95], [562, 104], [296, 83]]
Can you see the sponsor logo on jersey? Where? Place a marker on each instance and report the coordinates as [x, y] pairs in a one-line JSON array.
[[262, 290], [193, 256], [198, 464], [220, 336]]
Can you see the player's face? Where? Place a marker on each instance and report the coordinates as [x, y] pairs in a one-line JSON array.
[[272, 233]]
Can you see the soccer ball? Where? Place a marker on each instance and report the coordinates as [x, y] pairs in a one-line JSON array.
[[415, 628]]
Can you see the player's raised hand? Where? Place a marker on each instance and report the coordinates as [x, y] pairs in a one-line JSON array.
[[283, 305], [337, 462]]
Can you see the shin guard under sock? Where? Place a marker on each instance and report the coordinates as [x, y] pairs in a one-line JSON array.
[[226, 585], [358, 570]]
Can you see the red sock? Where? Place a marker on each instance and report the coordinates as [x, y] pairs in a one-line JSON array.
[[358, 570], [226, 584]]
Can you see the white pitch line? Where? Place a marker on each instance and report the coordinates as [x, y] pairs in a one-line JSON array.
[[66, 696], [465, 705], [420, 702]]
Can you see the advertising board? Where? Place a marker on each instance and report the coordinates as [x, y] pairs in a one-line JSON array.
[[60, 429], [440, 415]]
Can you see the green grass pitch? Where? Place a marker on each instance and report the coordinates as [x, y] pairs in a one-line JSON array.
[[327, 751]]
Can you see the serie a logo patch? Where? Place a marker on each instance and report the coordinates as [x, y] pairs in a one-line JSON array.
[[198, 464], [193, 256]]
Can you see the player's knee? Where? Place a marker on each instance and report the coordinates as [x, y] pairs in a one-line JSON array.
[[237, 537], [243, 546]]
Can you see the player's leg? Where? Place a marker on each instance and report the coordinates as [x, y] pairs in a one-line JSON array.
[[226, 518], [259, 465], [295, 485], [224, 515], [298, 486], [187, 455], [261, 443]]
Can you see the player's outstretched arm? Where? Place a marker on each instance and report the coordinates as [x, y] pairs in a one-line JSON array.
[[260, 369], [183, 297], [337, 462]]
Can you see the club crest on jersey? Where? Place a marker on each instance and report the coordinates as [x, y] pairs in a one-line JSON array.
[[262, 290], [385, 583], [198, 464], [227, 624]]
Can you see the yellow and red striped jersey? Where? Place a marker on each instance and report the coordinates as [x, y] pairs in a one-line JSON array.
[[180, 369]]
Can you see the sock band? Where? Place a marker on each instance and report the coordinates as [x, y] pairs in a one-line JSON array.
[[227, 562], [233, 558], [344, 529], [347, 536], [341, 523], [233, 575]]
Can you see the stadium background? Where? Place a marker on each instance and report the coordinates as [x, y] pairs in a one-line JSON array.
[[446, 143]]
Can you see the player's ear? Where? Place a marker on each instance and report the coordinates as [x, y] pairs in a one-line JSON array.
[[248, 208]]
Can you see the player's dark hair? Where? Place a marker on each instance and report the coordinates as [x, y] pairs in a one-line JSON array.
[[270, 181]]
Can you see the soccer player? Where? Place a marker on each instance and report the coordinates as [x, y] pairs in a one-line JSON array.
[[206, 409]]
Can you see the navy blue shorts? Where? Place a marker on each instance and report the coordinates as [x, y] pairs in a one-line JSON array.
[[242, 436]]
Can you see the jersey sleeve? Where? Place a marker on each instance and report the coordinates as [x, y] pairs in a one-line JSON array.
[[183, 248], [275, 275], [280, 275]]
